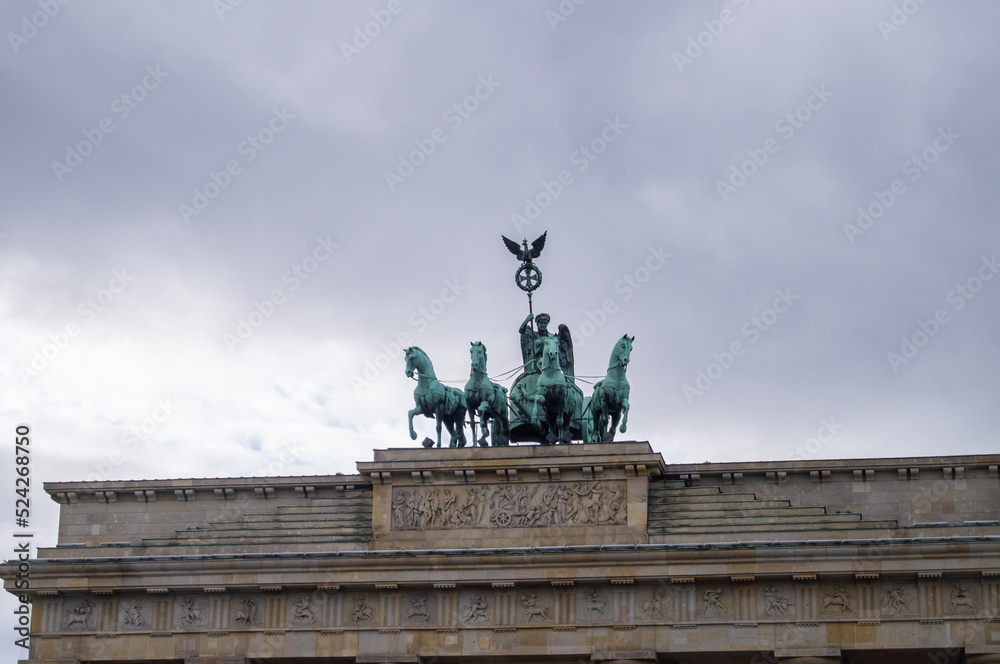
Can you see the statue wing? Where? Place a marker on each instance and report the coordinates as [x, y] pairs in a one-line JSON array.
[[514, 247], [527, 345], [565, 350], [538, 245]]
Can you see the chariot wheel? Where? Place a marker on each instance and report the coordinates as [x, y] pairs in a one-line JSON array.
[[504, 519]]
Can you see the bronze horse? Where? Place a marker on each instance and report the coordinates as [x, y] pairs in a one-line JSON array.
[[445, 404]]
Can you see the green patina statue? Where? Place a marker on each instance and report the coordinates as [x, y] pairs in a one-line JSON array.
[[487, 399], [610, 399], [445, 404], [532, 340], [545, 404], [560, 400]]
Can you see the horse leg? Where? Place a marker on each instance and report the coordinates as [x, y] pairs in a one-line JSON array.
[[535, 422], [565, 432], [472, 419], [484, 418], [437, 417], [597, 414], [456, 427], [624, 414], [615, 416], [413, 433], [504, 438]]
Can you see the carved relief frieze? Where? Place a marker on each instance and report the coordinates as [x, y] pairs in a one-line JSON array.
[[775, 599], [962, 599], [838, 601], [897, 599], [714, 607], [776, 604], [655, 604], [189, 612], [595, 604], [361, 612], [532, 610], [475, 609], [509, 505], [417, 610], [134, 613], [245, 612], [79, 616], [675, 601], [304, 612]]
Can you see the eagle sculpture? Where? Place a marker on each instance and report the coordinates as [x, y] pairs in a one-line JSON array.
[[523, 253]]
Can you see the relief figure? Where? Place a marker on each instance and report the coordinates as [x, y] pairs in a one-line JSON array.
[[189, 614], [246, 613], [777, 605], [361, 613], [132, 616], [714, 608], [475, 610], [595, 603], [303, 612], [962, 600], [531, 611], [895, 601], [417, 611], [838, 599], [79, 616], [653, 607]]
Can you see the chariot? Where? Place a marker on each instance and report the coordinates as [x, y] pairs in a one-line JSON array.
[[544, 404]]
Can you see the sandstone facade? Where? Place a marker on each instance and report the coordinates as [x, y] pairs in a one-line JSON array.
[[522, 554]]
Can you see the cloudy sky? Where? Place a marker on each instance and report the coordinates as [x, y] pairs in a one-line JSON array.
[[220, 219]]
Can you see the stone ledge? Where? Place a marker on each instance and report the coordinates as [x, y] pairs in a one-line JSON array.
[[807, 652], [608, 655], [388, 658]]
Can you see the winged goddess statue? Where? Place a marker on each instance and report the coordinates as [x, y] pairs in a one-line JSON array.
[[528, 278]]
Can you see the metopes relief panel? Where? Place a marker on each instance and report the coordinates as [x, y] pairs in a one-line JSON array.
[[509, 505], [667, 601]]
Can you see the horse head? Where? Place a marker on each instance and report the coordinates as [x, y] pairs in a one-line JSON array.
[[416, 360], [478, 352], [550, 355], [621, 353]]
